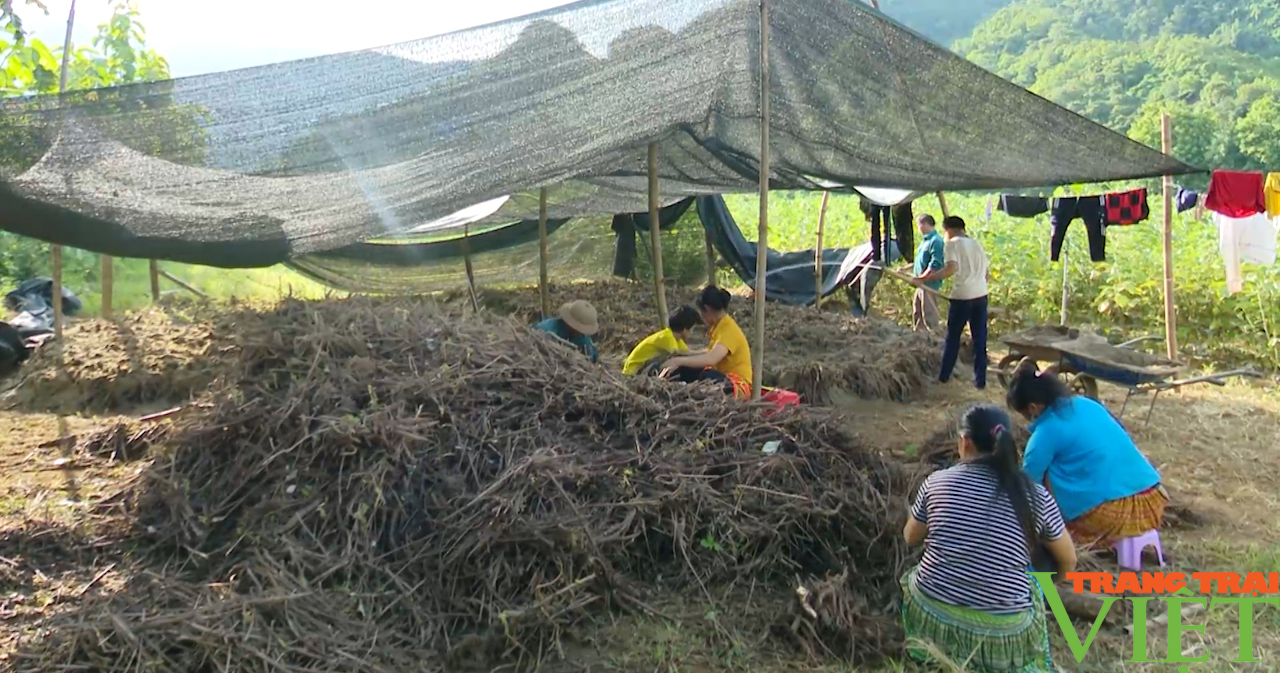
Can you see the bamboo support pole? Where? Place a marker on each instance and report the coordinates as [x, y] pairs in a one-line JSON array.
[[655, 237], [108, 284], [543, 291], [711, 260], [762, 242], [55, 251], [817, 252], [466, 265], [1170, 309], [154, 272], [942, 203], [1065, 287]]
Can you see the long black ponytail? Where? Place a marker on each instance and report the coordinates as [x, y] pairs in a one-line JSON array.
[[1032, 386], [715, 298], [991, 432]]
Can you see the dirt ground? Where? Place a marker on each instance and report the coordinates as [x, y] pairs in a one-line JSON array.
[[1215, 447]]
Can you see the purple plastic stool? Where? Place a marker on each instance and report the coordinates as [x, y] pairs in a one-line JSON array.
[[1129, 550]]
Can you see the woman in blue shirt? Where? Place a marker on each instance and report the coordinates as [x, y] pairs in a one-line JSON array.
[[1106, 488]]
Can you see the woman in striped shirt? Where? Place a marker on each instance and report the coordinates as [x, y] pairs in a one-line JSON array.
[[971, 597]]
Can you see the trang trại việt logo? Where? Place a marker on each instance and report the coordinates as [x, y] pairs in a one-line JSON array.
[[1215, 588]]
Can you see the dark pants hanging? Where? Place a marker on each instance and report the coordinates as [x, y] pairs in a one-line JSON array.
[[877, 237], [971, 312], [1090, 210], [624, 249], [904, 227], [694, 374], [880, 228]]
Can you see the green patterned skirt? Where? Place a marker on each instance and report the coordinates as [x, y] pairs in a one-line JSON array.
[[974, 640]]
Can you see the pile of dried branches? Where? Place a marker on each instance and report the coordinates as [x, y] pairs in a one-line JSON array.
[[375, 484], [814, 353], [106, 366]]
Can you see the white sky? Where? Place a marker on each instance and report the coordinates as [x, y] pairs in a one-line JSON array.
[[201, 37]]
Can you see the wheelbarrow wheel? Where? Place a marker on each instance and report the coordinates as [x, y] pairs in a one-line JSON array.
[[1005, 368], [1083, 384]]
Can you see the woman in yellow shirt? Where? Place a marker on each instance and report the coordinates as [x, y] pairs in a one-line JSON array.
[[728, 356]]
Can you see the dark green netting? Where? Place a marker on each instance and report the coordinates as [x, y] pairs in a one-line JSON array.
[[258, 166]]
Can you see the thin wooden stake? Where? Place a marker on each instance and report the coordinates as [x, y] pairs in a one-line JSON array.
[[183, 284], [55, 252], [154, 270], [543, 291], [817, 252], [466, 264], [1065, 286], [108, 285], [762, 241], [655, 236], [1170, 309], [942, 203], [711, 260]]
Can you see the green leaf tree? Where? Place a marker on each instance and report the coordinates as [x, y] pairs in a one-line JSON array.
[[1258, 132], [117, 55], [1196, 131]]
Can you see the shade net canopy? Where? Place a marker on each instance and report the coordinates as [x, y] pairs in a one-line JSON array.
[[258, 166]]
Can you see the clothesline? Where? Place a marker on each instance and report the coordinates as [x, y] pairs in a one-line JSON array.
[[1245, 207]]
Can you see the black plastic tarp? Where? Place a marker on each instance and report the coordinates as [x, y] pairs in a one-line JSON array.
[[790, 278]]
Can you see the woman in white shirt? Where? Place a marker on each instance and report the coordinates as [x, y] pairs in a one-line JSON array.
[[968, 264]]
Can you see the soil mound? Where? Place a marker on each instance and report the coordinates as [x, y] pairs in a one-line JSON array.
[[103, 366]]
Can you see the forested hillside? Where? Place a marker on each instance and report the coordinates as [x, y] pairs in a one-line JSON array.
[[1213, 64], [944, 21]]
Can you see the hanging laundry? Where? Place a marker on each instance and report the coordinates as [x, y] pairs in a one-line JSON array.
[[1088, 208], [1236, 194], [904, 226], [1023, 206], [880, 219], [1244, 239], [1187, 199], [1271, 194], [1126, 208]]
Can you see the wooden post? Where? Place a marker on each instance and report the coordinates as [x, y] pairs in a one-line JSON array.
[[466, 264], [711, 260], [1064, 285], [942, 203], [655, 236], [154, 269], [543, 290], [108, 284], [762, 241], [1170, 312], [55, 252], [817, 252]]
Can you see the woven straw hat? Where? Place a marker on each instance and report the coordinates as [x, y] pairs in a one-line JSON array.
[[581, 316]]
